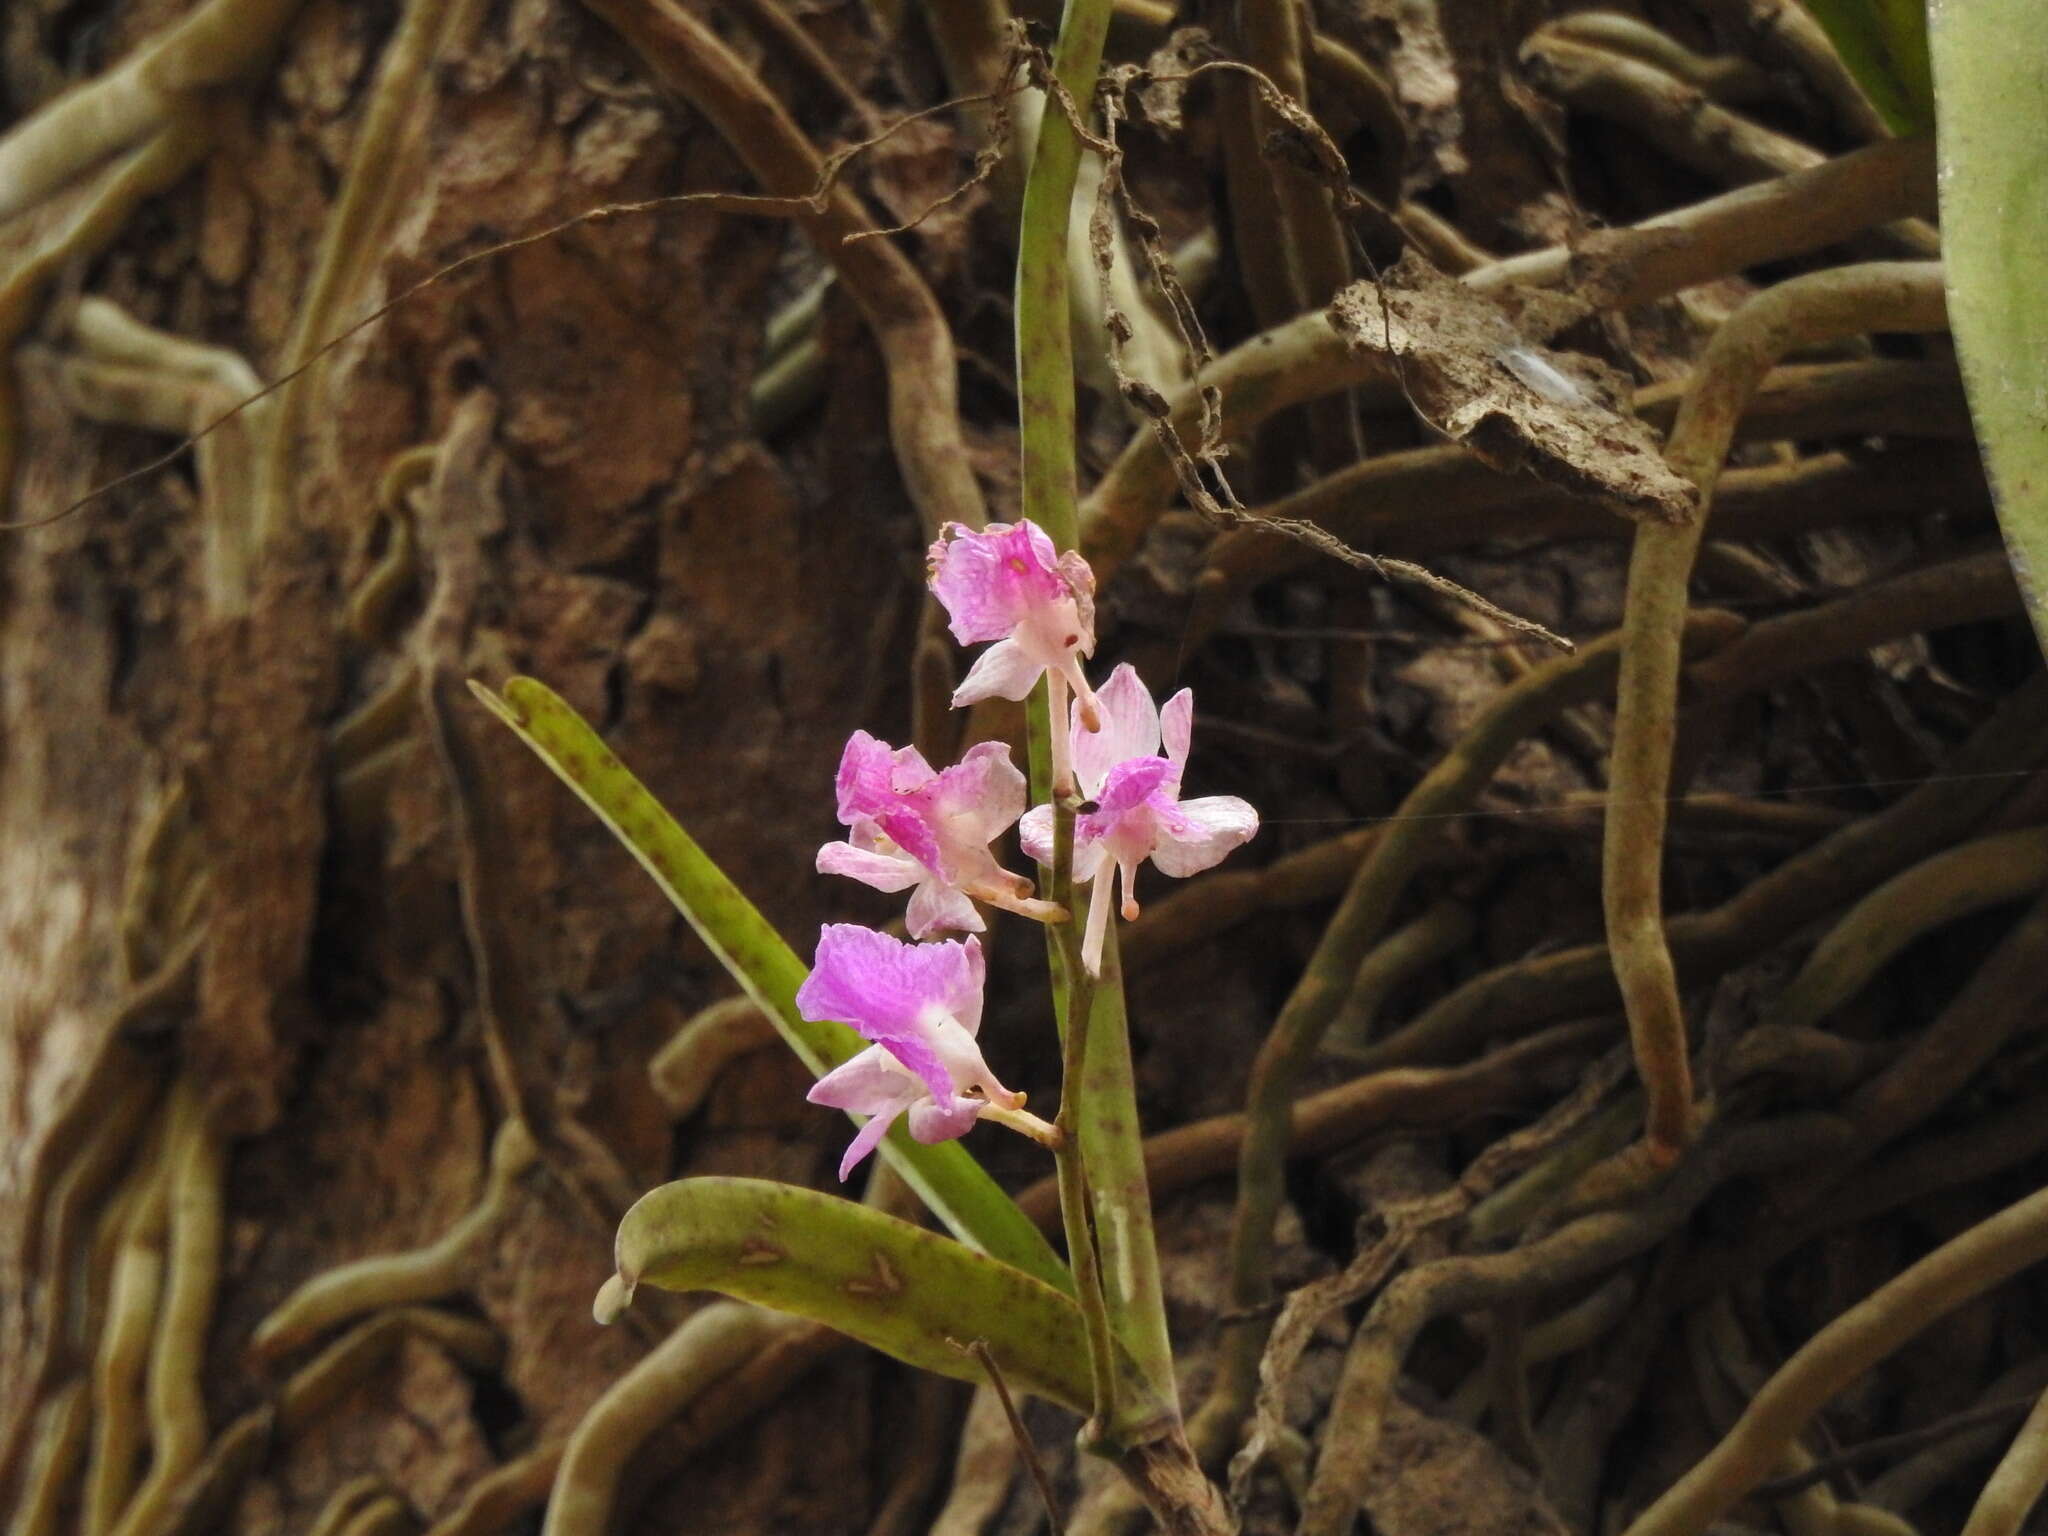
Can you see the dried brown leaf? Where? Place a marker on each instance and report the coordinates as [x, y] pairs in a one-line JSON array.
[[1478, 369], [1167, 75]]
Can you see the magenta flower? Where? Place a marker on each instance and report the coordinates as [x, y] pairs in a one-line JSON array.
[[1008, 584], [1132, 809], [921, 1005], [908, 826]]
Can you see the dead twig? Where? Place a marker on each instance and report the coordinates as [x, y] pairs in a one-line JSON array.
[[1032, 1460]]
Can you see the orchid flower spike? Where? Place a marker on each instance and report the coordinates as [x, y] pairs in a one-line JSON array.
[[908, 826], [1008, 584], [921, 1006], [1132, 810]]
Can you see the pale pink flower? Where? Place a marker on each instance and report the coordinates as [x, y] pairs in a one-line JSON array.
[[1008, 584], [908, 826], [921, 1006], [1132, 810]]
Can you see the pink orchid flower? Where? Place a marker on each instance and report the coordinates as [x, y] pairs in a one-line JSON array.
[[1133, 811], [908, 826], [921, 1005], [1008, 584]]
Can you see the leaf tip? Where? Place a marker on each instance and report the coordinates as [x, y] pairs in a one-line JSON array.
[[496, 705], [613, 1297]]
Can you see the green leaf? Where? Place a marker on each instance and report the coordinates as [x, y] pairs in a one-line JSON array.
[[910, 1293], [1991, 74], [946, 1177], [1884, 44]]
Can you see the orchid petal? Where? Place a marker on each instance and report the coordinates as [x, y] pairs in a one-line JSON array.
[[1003, 671], [1133, 782], [991, 579], [964, 578], [865, 769], [1088, 857], [1200, 833], [880, 985], [869, 1082], [955, 1046], [1130, 728], [931, 1121], [937, 906], [963, 1001], [883, 871], [981, 796], [1177, 726], [917, 1053], [908, 771], [1034, 833], [868, 1137], [910, 829], [1080, 579]]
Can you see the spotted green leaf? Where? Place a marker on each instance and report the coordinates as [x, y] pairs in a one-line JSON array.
[[913, 1294]]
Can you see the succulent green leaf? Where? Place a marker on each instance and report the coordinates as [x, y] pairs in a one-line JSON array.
[[946, 1177], [1991, 71], [910, 1293], [1884, 44]]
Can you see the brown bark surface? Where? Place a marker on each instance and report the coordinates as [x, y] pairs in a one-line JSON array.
[[261, 852], [722, 614]]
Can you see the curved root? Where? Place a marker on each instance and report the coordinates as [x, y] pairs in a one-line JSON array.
[[713, 1342], [1987, 873], [1466, 1283], [177, 1404], [351, 1359], [137, 1278], [497, 1499], [684, 1070], [60, 1437], [343, 1503], [423, 1274], [1984, 1256], [1821, 306], [1520, 709]]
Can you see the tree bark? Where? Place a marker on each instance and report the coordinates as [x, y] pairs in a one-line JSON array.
[[397, 928]]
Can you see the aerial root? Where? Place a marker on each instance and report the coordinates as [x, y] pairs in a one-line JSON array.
[[439, 1269], [712, 1343], [1519, 710], [1590, 1245], [1981, 1258], [1844, 301]]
